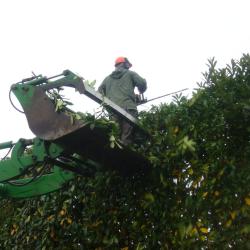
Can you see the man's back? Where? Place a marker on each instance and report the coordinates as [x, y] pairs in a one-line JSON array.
[[119, 87]]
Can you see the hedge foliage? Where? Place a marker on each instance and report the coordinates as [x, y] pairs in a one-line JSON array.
[[197, 195]]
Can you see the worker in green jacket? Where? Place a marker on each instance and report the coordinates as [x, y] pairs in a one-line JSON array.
[[119, 87]]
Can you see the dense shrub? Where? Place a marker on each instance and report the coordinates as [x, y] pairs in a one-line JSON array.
[[197, 195]]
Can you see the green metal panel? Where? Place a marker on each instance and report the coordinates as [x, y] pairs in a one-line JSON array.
[[10, 168], [23, 94], [43, 185], [21, 160], [5, 145]]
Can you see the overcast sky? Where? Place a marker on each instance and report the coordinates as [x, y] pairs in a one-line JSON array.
[[168, 43]]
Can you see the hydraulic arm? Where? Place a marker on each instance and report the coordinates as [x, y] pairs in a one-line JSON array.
[[45, 161]]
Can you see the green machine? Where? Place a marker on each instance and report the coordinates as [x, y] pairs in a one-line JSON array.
[[61, 148]]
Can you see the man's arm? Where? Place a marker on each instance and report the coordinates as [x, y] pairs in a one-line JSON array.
[[102, 88], [139, 82]]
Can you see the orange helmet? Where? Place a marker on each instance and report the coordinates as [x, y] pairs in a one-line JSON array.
[[123, 60]]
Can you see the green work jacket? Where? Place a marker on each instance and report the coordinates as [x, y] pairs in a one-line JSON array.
[[119, 87]]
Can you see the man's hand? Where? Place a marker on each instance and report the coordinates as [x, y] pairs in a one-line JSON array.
[[139, 99]]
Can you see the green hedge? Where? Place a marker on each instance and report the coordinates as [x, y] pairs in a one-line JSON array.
[[197, 195]]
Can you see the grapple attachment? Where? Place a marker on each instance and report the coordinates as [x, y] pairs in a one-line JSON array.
[[43, 121]]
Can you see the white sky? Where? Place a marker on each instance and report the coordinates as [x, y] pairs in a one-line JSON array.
[[168, 43]]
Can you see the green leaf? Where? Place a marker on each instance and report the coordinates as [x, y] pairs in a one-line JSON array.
[[149, 197], [112, 138], [112, 144]]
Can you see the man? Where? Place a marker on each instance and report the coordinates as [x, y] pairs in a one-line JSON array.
[[119, 87]]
